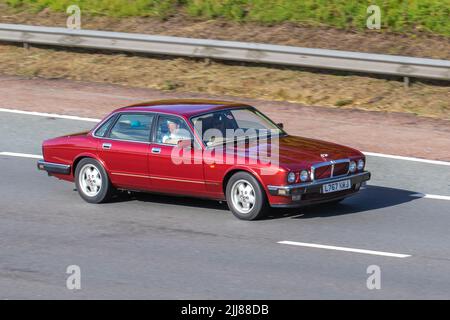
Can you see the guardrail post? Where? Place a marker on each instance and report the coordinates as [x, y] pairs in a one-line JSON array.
[[26, 45], [406, 82]]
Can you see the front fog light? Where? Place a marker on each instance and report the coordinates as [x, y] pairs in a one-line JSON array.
[[304, 175], [360, 165], [352, 166], [291, 177]]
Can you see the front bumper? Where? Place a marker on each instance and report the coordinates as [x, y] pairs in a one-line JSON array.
[[53, 168], [311, 192]]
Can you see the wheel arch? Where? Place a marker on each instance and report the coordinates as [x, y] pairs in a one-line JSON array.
[[235, 170], [82, 156]]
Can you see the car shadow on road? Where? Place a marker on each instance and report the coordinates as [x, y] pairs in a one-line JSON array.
[[169, 199], [368, 199]]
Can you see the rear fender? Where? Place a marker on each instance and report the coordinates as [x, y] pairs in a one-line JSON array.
[[88, 155]]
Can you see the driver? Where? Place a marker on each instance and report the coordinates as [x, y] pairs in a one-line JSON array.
[[175, 134]]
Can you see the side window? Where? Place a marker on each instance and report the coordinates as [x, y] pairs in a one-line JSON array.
[[132, 127], [170, 130], [101, 132]]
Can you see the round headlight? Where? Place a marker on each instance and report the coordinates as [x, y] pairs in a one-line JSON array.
[[352, 166], [360, 164], [304, 175], [291, 177]]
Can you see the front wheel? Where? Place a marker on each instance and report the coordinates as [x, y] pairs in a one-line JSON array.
[[92, 181], [245, 197]]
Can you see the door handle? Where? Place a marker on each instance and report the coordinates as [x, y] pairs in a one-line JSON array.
[[107, 146], [156, 150]]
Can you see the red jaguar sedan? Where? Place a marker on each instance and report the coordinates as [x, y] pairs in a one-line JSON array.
[[209, 149]]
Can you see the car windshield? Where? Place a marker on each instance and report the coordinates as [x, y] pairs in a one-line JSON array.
[[224, 126]]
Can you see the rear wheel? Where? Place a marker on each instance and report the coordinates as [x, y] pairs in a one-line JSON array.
[[245, 197], [92, 181]]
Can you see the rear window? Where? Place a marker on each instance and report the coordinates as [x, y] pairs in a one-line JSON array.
[[103, 130]]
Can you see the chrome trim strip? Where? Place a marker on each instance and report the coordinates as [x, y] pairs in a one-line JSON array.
[[120, 112], [316, 183], [212, 183], [98, 125], [112, 139], [130, 175], [240, 107], [178, 180], [159, 178], [155, 113]]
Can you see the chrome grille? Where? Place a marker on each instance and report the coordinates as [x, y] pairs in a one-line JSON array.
[[341, 168], [330, 169], [322, 172]]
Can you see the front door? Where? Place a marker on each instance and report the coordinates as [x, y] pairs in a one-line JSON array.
[[175, 164], [125, 149]]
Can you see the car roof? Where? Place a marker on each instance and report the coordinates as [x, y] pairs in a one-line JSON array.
[[183, 107]]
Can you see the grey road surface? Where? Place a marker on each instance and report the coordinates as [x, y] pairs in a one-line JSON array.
[[156, 247]]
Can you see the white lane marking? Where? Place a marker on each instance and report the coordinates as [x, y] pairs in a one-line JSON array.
[[51, 115], [431, 196], [321, 246], [54, 115], [382, 155], [21, 155]]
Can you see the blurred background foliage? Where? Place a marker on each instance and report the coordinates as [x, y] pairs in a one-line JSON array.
[[397, 15]]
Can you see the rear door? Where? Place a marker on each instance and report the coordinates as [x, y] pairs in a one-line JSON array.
[[125, 147]]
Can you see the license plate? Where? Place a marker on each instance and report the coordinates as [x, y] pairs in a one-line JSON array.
[[336, 186]]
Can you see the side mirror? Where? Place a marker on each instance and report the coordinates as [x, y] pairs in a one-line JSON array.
[[280, 125], [185, 144]]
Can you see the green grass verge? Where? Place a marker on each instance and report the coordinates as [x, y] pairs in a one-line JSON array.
[[113, 8], [397, 15]]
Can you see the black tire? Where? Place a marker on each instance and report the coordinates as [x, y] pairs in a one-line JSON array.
[[260, 206], [106, 190]]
